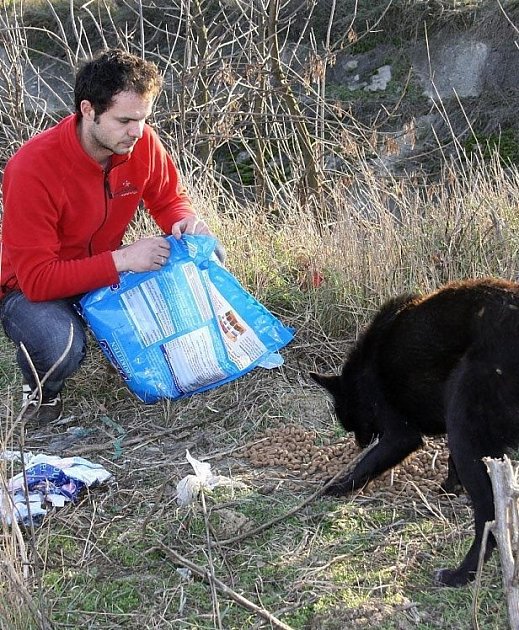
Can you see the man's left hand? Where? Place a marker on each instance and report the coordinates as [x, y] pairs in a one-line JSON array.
[[189, 225], [194, 225]]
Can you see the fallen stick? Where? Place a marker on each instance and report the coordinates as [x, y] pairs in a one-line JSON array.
[[300, 506], [206, 575], [125, 442]]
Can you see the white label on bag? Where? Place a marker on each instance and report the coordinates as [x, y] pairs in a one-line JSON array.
[[143, 321], [192, 360], [197, 289]]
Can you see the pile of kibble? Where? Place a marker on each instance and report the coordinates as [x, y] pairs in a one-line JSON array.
[[304, 454]]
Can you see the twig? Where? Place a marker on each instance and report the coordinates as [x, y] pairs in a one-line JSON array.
[[234, 449], [204, 574], [38, 615], [39, 383], [45, 622], [37, 610], [8, 504], [479, 572], [300, 506], [38, 391], [211, 573], [158, 501], [94, 448]]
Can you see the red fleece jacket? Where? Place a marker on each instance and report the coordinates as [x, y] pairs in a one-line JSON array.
[[63, 215]]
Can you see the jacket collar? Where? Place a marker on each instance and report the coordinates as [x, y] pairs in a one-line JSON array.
[[75, 153]]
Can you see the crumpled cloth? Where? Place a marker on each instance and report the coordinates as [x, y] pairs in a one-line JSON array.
[[51, 480]]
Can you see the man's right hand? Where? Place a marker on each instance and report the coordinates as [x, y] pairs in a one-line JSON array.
[[146, 254]]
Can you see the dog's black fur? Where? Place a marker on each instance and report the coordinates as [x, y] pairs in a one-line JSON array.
[[446, 362]]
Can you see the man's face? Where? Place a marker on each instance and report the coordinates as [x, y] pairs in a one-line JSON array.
[[117, 129]]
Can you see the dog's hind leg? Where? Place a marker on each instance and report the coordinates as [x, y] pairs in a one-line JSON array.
[[481, 404], [476, 481], [391, 449]]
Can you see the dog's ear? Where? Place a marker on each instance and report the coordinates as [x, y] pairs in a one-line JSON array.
[[330, 382]]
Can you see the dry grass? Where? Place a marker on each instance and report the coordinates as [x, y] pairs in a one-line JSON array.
[[107, 562]]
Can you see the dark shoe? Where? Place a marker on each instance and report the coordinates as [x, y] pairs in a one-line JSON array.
[[33, 411]]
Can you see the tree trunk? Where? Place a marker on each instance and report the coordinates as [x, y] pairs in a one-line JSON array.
[[311, 174]]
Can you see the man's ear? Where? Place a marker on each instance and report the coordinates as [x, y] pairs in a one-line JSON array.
[[87, 110], [330, 382]]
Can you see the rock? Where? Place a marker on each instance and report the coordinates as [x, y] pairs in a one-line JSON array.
[[379, 80], [450, 68]]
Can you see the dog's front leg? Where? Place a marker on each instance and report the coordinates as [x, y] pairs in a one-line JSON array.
[[391, 449], [452, 483]]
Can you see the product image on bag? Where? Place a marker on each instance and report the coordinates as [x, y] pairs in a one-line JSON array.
[[183, 329]]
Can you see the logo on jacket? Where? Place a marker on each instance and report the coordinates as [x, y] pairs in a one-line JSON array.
[[126, 188]]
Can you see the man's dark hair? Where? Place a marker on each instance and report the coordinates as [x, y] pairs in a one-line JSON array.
[[113, 71]]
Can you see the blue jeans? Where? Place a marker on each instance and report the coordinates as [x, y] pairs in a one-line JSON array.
[[44, 329]]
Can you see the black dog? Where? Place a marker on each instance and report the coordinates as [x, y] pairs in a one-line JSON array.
[[447, 362]]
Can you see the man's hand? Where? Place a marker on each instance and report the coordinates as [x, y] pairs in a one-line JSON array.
[[189, 225], [146, 254], [194, 225]]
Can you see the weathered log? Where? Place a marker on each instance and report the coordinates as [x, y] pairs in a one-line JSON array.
[[504, 475]]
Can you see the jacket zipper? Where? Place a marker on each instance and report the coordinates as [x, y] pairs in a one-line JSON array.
[[107, 196]]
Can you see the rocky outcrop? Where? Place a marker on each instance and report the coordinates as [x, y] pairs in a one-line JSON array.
[[461, 82]]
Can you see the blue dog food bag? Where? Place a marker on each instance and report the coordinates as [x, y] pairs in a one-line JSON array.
[[184, 329]]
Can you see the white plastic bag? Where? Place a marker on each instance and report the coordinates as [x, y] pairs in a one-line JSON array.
[[189, 487]]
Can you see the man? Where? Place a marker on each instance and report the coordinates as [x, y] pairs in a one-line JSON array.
[[69, 195]]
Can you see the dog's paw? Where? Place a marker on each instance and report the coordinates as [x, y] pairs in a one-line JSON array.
[[450, 487], [336, 490], [453, 577]]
